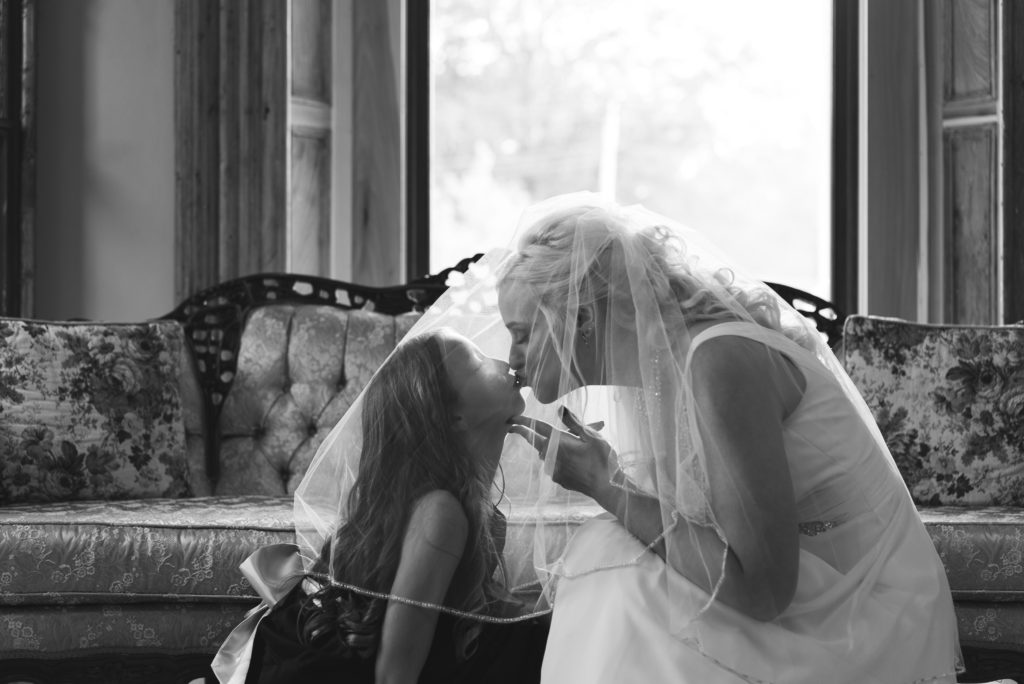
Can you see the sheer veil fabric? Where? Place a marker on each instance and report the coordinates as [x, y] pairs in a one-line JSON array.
[[613, 310]]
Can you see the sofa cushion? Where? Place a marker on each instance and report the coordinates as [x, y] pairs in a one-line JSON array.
[[173, 628], [299, 369], [981, 548], [185, 549], [135, 551], [949, 401], [990, 625], [98, 411]]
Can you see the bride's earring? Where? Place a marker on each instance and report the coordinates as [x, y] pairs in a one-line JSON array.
[[585, 324]]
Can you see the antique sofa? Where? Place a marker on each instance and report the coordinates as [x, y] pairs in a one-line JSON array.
[[141, 463], [949, 401]]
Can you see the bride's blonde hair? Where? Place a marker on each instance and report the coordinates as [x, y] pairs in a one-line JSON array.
[[590, 250]]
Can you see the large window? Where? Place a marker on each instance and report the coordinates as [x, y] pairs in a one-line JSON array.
[[714, 113]]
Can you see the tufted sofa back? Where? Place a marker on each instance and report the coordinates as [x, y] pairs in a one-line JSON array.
[[299, 368]]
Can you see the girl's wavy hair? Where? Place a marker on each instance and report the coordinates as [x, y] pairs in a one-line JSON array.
[[409, 449], [584, 249]]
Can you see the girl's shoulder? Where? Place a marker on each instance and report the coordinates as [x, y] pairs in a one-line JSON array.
[[438, 502], [439, 519]]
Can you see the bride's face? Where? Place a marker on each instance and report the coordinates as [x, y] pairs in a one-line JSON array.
[[488, 394], [533, 355]]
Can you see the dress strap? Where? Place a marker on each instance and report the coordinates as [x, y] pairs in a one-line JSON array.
[[749, 330]]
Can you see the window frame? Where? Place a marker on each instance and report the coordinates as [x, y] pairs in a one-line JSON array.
[[17, 228], [844, 200]]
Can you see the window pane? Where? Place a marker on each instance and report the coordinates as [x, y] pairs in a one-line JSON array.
[[716, 114]]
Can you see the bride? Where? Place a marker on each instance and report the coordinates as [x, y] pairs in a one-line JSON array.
[[755, 526]]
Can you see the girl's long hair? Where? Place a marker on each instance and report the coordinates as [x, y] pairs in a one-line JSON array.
[[409, 449]]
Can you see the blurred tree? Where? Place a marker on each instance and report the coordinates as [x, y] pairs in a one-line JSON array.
[[539, 97]]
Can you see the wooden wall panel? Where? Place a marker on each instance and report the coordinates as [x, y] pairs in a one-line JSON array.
[[196, 157], [252, 139], [1013, 159], [234, 208], [28, 156], [971, 175], [311, 50], [310, 214], [273, 114], [965, 174], [10, 244], [8, 24], [845, 145], [310, 124], [231, 109], [971, 55], [891, 174], [377, 175]]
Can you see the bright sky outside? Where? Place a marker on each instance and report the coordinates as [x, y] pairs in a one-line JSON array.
[[716, 114]]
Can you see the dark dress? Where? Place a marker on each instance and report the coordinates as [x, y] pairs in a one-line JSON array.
[[509, 653]]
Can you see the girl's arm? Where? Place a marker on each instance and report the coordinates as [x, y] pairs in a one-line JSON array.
[[433, 545]]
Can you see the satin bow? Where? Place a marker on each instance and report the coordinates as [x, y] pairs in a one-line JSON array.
[[273, 571]]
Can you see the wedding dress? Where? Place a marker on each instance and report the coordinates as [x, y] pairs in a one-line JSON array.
[[869, 577]]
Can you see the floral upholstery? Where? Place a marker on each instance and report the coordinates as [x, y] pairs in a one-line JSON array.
[[949, 401], [299, 369], [982, 549], [185, 591], [990, 625], [148, 627], [97, 411], [165, 550]]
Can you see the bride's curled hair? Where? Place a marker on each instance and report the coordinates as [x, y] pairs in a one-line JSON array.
[[409, 448], [588, 254]]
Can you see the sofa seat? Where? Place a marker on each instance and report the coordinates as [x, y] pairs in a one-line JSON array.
[[185, 555], [982, 549], [117, 552], [54, 631], [63, 587]]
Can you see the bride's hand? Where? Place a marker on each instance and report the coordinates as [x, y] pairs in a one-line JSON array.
[[584, 462]]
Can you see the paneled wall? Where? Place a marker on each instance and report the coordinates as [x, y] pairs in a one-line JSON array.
[[937, 159], [104, 232], [290, 140], [231, 111], [309, 130], [17, 155], [966, 266], [891, 166]]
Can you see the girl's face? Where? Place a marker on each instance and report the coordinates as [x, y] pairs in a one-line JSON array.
[[488, 394]]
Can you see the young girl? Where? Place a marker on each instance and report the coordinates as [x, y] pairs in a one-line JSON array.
[[398, 592]]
